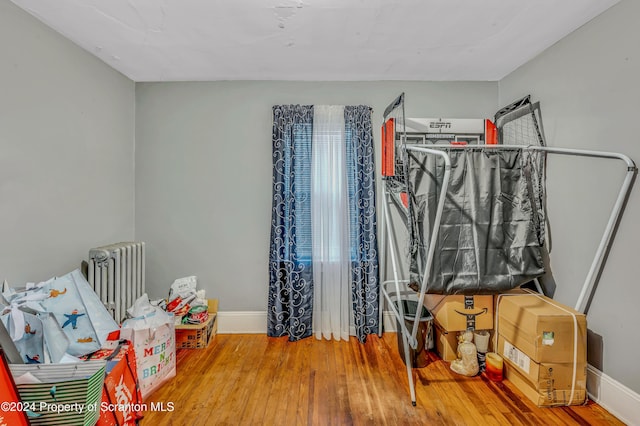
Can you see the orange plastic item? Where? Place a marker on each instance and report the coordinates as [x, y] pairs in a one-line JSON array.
[[405, 199], [490, 133], [388, 148], [12, 412]]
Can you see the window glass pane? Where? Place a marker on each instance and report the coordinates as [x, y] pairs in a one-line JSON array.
[[301, 165], [351, 186], [302, 189], [329, 195]]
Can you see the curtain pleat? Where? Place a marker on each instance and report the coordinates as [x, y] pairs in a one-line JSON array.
[[365, 269], [290, 301], [330, 225]]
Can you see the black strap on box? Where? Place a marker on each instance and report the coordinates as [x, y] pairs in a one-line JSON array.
[[471, 318]]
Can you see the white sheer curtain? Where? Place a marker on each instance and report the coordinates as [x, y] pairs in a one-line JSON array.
[[330, 225]]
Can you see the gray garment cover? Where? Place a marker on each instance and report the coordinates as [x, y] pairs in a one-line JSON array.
[[492, 231]]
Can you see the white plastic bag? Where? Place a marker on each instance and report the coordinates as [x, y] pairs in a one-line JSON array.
[[154, 340], [183, 287]]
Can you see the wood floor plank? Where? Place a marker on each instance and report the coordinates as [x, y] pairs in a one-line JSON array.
[[257, 380], [266, 365]]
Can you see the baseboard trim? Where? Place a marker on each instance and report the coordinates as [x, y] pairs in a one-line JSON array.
[[613, 396], [255, 322], [389, 322]]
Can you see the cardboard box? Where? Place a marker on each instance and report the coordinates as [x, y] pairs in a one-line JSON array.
[[198, 336], [547, 392], [459, 313], [545, 330], [545, 374], [446, 343]]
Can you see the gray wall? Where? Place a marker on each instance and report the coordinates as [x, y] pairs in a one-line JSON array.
[[202, 175], [66, 151], [589, 92], [203, 171]]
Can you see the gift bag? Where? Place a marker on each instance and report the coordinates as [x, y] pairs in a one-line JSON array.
[[78, 310], [154, 340], [121, 392], [10, 414], [61, 394], [26, 331], [56, 342], [38, 338], [6, 293]]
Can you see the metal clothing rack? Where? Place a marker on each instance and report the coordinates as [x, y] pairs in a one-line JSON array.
[[398, 285]]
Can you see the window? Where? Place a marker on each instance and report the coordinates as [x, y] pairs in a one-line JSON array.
[[326, 185]]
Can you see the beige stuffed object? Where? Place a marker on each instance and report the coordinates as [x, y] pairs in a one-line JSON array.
[[467, 362]]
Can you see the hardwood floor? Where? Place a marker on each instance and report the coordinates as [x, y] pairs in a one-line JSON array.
[[257, 380]]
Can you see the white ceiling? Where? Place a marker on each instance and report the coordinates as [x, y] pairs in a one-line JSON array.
[[203, 40]]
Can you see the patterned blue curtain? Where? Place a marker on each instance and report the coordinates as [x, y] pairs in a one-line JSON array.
[[362, 209], [290, 268]]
